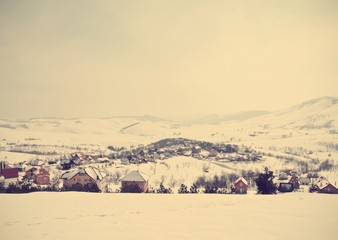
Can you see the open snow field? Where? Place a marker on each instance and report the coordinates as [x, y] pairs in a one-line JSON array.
[[149, 216]]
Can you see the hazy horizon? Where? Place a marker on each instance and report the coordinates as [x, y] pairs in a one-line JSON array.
[[169, 59]]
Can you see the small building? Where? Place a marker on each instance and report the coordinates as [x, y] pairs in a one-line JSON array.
[[196, 149], [295, 181], [42, 177], [326, 187], [30, 172], [84, 176], [312, 175], [10, 175], [135, 179], [285, 187], [304, 180], [283, 176], [241, 186]]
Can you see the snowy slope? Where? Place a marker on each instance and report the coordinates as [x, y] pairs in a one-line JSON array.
[[311, 125], [150, 216]]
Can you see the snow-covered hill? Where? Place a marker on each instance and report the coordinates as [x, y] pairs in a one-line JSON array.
[[311, 126], [319, 113]]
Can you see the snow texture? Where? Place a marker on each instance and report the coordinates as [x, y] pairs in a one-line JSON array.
[[84, 216]]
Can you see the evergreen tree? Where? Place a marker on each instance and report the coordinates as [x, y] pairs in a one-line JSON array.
[[193, 189], [163, 189], [183, 189], [265, 184]]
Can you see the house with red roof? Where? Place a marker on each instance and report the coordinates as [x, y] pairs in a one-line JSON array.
[[10, 175], [240, 186], [294, 180], [42, 177]]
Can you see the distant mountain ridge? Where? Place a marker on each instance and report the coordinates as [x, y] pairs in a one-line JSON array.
[[315, 113], [217, 119], [329, 100], [312, 114]]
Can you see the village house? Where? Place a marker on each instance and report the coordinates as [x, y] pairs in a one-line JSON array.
[[295, 181], [304, 180], [10, 175], [240, 186], [325, 186], [135, 178], [196, 149], [283, 176], [42, 177], [83, 176], [285, 187], [30, 173]]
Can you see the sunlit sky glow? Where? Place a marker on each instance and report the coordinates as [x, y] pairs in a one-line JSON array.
[[164, 58]]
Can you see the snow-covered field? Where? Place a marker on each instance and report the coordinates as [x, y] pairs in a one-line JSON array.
[[158, 216], [308, 127]]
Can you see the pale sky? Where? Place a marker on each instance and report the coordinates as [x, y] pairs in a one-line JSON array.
[[164, 58]]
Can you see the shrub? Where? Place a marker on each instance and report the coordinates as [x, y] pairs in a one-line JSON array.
[[2, 188], [162, 189], [210, 188], [90, 187], [193, 189], [313, 188]]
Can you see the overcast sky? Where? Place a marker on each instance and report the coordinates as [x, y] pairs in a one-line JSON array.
[[164, 58]]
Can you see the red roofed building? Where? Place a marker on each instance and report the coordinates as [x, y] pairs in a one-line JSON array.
[[241, 186], [9, 173], [295, 181], [42, 177]]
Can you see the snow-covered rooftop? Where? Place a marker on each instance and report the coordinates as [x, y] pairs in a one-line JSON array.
[[92, 172], [241, 179], [135, 176]]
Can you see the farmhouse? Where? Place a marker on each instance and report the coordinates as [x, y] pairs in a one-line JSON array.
[[88, 175], [241, 186], [135, 179]]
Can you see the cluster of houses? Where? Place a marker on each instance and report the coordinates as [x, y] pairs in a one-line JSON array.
[[11, 174], [78, 167], [79, 159], [293, 181], [171, 147]]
